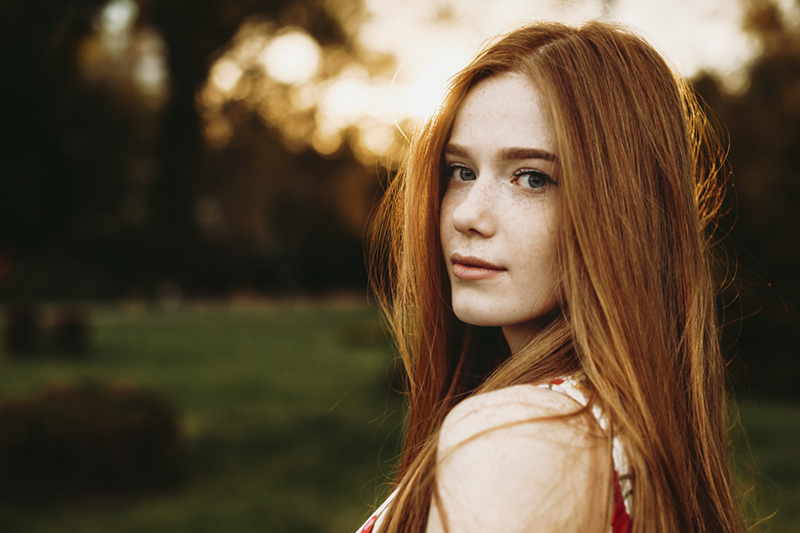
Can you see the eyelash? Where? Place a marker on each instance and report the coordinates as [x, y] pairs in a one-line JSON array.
[[449, 171], [533, 172]]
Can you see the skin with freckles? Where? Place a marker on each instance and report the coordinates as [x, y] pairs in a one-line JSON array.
[[499, 214]]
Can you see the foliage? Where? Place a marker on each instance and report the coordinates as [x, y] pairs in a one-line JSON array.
[[763, 252], [104, 194], [90, 439], [25, 334], [289, 423], [22, 330]]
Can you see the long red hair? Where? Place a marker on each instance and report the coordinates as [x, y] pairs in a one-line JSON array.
[[639, 188]]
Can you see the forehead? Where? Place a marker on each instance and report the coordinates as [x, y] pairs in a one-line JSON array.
[[506, 110]]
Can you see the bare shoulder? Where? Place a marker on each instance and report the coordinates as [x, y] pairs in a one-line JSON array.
[[517, 459], [510, 406]]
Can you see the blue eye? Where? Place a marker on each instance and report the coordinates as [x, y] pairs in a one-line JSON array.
[[461, 173], [533, 179]]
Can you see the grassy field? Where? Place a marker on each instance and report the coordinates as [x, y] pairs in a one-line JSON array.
[[290, 421], [768, 448]]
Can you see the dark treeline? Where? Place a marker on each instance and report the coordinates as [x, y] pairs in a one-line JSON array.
[[762, 248], [101, 194], [106, 194]]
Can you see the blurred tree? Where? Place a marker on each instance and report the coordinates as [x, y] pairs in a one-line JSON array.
[[763, 125], [38, 44], [193, 33], [273, 206], [107, 189]]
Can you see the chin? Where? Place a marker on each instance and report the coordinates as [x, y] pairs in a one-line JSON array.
[[479, 317], [487, 315]]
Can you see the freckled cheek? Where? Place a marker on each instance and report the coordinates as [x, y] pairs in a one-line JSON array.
[[446, 232], [535, 241], [445, 219]]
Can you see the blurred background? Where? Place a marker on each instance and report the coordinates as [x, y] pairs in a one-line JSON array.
[[184, 186]]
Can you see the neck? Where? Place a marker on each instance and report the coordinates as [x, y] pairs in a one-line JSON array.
[[519, 335]]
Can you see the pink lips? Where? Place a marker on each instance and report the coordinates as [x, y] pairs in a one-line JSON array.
[[470, 268]]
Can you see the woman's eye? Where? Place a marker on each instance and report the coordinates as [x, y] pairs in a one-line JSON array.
[[461, 173], [533, 179]]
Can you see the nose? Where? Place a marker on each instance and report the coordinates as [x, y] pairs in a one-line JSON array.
[[474, 212]]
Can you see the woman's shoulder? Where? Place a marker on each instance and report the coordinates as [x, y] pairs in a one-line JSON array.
[[510, 407], [520, 458]]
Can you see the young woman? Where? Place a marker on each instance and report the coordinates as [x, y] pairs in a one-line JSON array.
[[543, 260]]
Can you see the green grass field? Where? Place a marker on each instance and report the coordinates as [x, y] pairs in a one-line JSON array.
[[290, 422]]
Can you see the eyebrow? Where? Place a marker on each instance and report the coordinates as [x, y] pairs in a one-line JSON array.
[[508, 154]]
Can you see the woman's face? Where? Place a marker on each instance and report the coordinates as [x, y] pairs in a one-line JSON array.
[[500, 212]]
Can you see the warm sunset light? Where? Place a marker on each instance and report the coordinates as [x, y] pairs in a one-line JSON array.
[[150, 69], [131, 60], [422, 79], [118, 16], [694, 35], [281, 77], [225, 74], [292, 57]]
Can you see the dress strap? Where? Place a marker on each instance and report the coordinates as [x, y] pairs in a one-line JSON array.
[[376, 518], [576, 388]]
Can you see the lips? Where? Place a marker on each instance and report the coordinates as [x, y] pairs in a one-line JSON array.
[[470, 268]]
